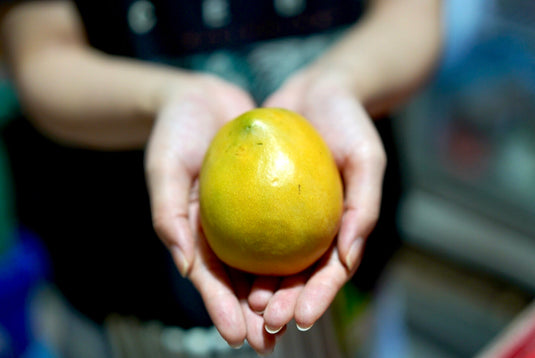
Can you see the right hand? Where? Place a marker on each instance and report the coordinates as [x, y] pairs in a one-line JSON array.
[[327, 100]]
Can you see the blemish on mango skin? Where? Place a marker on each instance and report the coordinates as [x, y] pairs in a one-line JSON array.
[[240, 151]]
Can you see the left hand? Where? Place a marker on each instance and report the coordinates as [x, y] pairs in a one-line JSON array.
[[330, 104], [191, 113]]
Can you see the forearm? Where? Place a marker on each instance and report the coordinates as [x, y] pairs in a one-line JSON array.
[[84, 98], [73, 93], [390, 54]]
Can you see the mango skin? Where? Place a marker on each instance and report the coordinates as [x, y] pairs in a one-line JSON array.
[[271, 196]]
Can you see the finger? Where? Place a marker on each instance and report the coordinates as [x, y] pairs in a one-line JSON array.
[[288, 96], [169, 191], [261, 292], [281, 100], [169, 177], [362, 163], [211, 280], [320, 290], [281, 307], [363, 177], [232, 103], [257, 337], [236, 103]]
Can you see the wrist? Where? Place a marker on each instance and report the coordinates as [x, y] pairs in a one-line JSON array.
[[353, 73], [196, 90], [167, 89]]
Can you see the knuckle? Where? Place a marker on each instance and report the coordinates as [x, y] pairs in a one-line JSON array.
[[373, 216], [161, 226], [377, 154], [152, 166], [381, 156], [371, 151], [369, 218]]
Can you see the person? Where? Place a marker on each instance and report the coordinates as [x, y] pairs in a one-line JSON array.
[[112, 95]]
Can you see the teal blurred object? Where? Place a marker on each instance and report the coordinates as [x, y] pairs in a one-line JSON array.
[[9, 107], [9, 104], [6, 205]]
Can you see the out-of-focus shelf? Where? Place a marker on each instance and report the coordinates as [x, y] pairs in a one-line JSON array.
[[438, 224], [426, 306], [467, 146]]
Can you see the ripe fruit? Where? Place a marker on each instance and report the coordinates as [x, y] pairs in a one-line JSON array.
[[270, 193]]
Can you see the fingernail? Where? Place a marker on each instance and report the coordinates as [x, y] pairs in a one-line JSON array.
[[236, 346], [303, 329], [354, 252], [271, 330], [180, 261], [260, 313], [266, 353]]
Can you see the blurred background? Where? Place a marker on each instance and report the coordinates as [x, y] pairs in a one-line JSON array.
[[467, 217], [466, 270]]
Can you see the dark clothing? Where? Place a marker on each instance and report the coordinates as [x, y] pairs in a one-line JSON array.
[[148, 30], [92, 211], [91, 208]]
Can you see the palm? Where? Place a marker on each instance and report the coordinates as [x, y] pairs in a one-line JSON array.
[[180, 137], [358, 151], [175, 152]]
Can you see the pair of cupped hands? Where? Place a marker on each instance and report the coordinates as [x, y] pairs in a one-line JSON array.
[[243, 307]]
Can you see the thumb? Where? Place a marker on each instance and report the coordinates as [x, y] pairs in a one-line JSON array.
[[289, 96], [169, 199], [169, 184], [363, 178]]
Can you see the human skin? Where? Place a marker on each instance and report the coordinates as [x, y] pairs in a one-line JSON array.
[[79, 96]]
